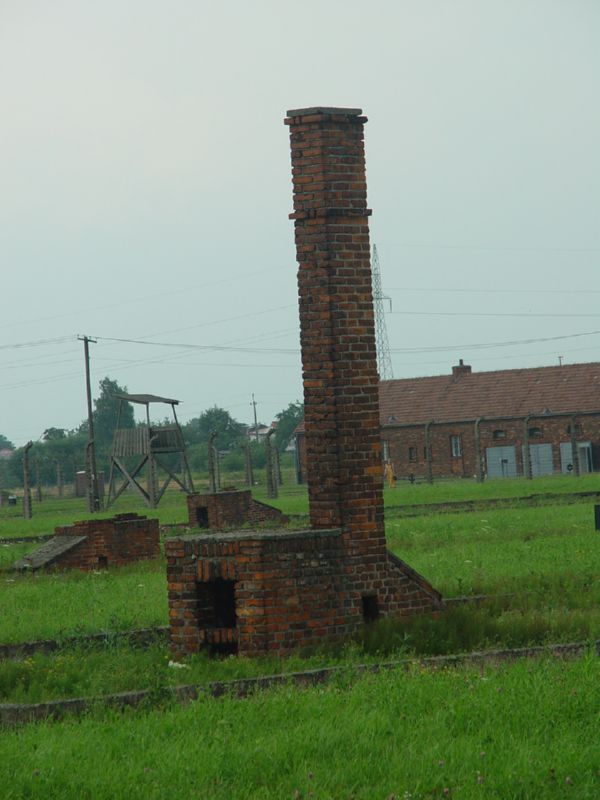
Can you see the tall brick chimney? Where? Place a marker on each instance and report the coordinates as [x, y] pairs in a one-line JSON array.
[[337, 326], [254, 591]]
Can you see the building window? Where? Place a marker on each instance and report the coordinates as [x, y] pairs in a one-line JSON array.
[[577, 429], [535, 433], [412, 453], [499, 434], [386, 451], [455, 448]]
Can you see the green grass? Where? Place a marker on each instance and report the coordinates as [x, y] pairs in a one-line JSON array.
[[103, 668], [545, 562], [444, 491], [525, 731], [292, 499], [499, 550], [552, 552], [42, 606]]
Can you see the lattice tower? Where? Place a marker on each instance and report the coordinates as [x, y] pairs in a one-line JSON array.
[[384, 360]]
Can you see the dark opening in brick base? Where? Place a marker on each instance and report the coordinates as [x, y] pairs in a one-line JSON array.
[[216, 603], [202, 516], [370, 608]]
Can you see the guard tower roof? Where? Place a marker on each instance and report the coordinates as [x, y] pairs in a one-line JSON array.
[[146, 399]]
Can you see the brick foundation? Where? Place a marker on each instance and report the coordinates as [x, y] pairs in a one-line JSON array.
[[228, 509], [269, 592], [96, 543]]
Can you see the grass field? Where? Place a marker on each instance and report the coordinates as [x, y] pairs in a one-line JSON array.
[[293, 499], [527, 731], [374, 737]]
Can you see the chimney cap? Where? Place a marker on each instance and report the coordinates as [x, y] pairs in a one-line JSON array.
[[305, 112]]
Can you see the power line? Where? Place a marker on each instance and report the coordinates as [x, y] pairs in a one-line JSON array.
[[214, 347], [37, 343], [495, 248], [137, 299], [485, 345], [487, 314], [432, 290]]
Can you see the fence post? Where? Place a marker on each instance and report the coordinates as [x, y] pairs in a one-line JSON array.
[[271, 480], [26, 483]]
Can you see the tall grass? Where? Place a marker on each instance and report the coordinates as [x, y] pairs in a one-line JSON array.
[[526, 731], [52, 605]]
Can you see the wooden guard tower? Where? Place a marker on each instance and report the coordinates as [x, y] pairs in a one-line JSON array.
[[145, 447]]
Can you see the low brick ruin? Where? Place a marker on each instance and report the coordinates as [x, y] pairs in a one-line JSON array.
[[228, 508], [255, 592], [96, 544]]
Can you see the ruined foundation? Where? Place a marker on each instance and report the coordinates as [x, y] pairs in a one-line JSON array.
[[221, 510], [97, 543], [256, 592]]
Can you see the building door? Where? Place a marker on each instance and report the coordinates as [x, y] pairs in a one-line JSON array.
[[584, 451], [501, 462], [540, 456]]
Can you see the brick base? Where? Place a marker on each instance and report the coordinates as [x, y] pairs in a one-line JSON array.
[[230, 509], [270, 592], [98, 543]]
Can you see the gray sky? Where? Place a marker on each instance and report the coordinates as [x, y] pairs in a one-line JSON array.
[[146, 185]]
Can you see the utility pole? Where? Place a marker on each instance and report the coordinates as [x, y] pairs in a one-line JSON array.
[[90, 465], [253, 403]]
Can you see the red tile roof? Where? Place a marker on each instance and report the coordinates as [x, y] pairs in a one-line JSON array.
[[466, 395], [510, 392]]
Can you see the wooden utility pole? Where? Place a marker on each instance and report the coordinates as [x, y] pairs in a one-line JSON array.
[[90, 462], [26, 482]]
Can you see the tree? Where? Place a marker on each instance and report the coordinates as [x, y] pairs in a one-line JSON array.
[[51, 434], [6, 444], [286, 423], [229, 431], [105, 411]]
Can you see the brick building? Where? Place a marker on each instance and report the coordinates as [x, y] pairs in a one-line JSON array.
[[505, 423], [269, 591]]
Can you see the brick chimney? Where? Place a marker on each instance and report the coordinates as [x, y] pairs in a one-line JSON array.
[[461, 369], [337, 328]]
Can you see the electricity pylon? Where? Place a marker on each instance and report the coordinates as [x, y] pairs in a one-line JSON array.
[[384, 360]]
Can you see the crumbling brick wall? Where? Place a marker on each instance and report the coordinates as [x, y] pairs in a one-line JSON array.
[[109, 542], [228, 509]]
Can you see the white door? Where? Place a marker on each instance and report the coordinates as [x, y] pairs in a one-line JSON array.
[[501, 462], [584, 451], [540, 456]]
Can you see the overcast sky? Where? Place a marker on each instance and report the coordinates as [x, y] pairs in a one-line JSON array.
[[145, 190]]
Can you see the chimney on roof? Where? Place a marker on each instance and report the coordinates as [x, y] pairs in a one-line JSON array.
[[461, 369]]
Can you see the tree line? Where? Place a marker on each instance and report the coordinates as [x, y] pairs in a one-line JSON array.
[[60, 449]]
